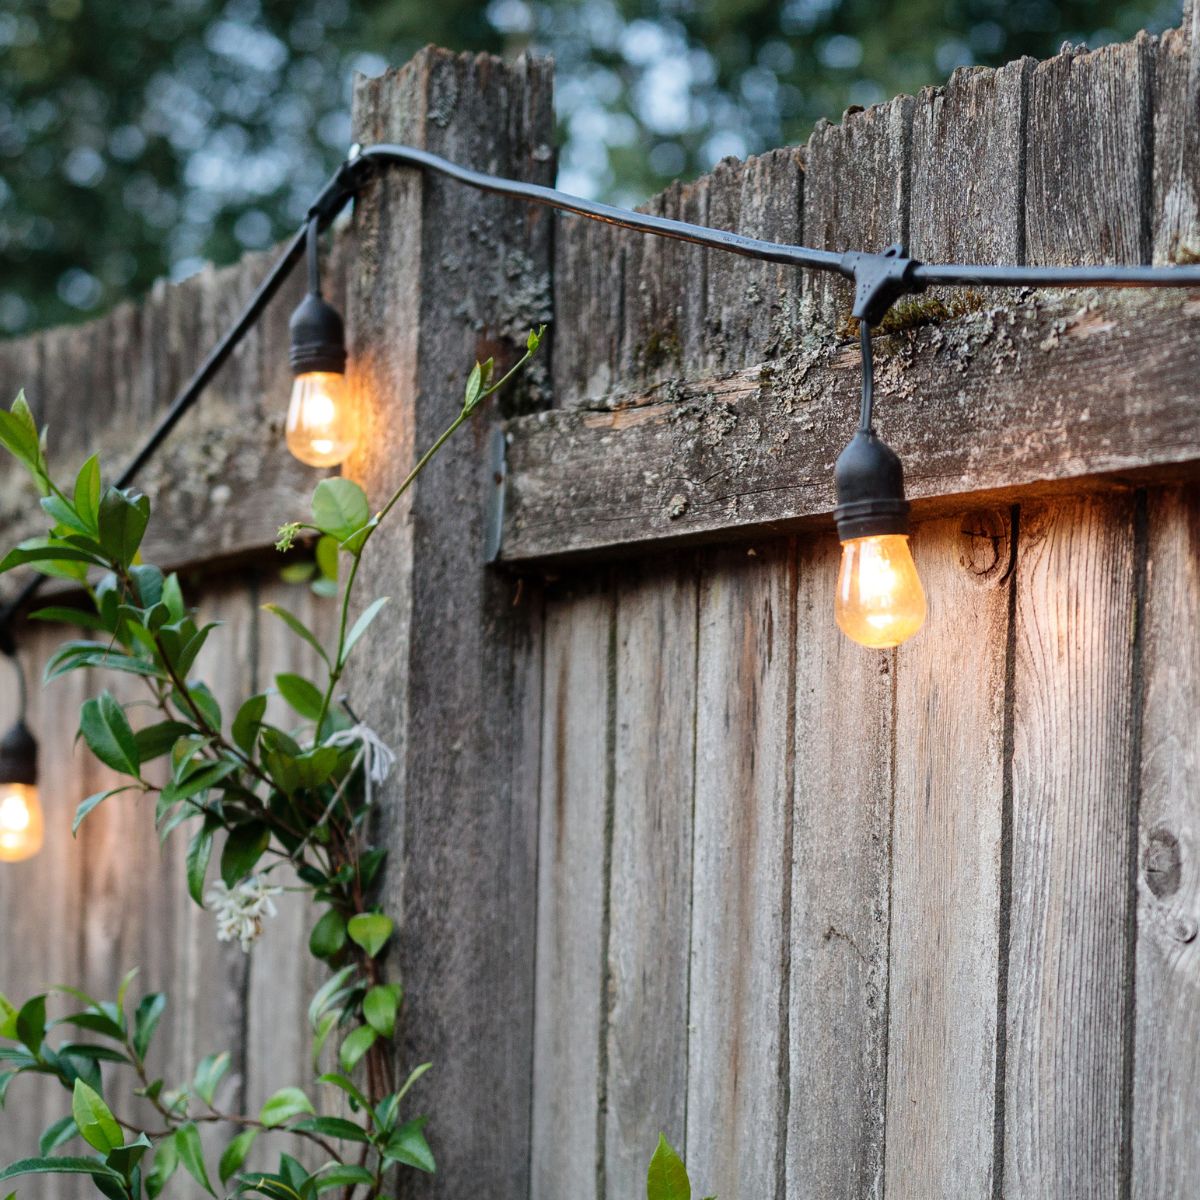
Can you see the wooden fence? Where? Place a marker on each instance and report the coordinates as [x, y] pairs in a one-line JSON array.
[[670, 852]]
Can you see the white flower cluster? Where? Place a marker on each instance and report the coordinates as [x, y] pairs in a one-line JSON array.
[[240, 911]]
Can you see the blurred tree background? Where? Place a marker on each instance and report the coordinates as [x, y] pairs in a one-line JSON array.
[[139, 138]]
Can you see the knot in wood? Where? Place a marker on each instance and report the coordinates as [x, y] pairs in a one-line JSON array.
[[1162, 864], [984, 545]]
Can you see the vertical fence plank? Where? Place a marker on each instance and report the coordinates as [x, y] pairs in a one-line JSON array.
[[1176, 210], [569, 998], [1166, 1153], [856, 195], [840, 897], [1068, 991], [737, 1058], [433, 290], [946, 864], [968, 184], [1089, 156], [651, 877]]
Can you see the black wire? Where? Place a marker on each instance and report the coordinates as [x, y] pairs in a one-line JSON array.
[[868, 377], [313, 247]]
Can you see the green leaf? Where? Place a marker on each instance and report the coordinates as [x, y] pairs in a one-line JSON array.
[[86, 806], [667, 1178], [286, 1103], [125, 1159], [235, 1154], [59, 1166], [64, 615], [298, 627], [339, 507], [8, 1019], [303, 696], [343, 1174], [474, 387], [209, 1073], [408, 1146], [96, 1124], [202, 699], [156, 740], [361, 625], [328, 935], [31, 1023], [65, 518], [327, 557], [370, 931], [243, 848], [19, 436], [70, 656], [187, 1143], [166, 1159], [325, 993], [357, 1043], [199, 852], [61, 1132], [103, 726], [347, 1086], [145, 1021], [334, 1127], [50, 557], [379, 1008], [87, 493], [149, 583], [122, 520], [414, 1075], [247, 721]]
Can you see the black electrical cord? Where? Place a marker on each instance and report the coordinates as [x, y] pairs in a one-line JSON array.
[[868, 377], [880, 278]]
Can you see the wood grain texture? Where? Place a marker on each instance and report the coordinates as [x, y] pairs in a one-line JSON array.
[[737, 1051], [968, 169], [651, 874], [1062, 391], [446, 276], [946, 864], [1166, 1082], [566, 1146], [840, 896], [1089, 156], [1176, 194], [856, 196], [1069, 994]]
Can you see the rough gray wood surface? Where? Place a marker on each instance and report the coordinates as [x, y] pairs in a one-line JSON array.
[[650, 889], [569, 1048], [1062, 389], [841, 881], [1175, 210], [445, 276], [1069, 992], [1166, 1080], [738, 1044], [1089, 152], [947, 883]]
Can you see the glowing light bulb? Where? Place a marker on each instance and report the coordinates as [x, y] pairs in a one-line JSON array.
[[322, 428], [21, 826], [880, 601]]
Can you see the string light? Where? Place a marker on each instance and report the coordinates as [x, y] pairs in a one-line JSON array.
[[21, 823]]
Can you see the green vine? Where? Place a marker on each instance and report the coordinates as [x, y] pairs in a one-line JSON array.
[[265, 797]]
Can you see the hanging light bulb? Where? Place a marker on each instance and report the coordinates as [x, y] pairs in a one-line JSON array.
[[21, 824], [322, 426], [880, 601]]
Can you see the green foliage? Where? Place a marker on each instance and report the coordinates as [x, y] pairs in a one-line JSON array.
[[265, 798], [667, 1178]]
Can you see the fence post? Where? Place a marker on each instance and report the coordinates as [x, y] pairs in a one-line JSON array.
[[445, 275]]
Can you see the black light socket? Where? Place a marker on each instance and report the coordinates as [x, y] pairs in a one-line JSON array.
[[318, 337], [18, 756], [869, 479]]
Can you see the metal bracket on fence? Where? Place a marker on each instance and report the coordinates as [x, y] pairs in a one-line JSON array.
[[880, 280]]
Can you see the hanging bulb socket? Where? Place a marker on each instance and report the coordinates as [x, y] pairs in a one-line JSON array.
[[869, 479], [318, 337], [18, 756]]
